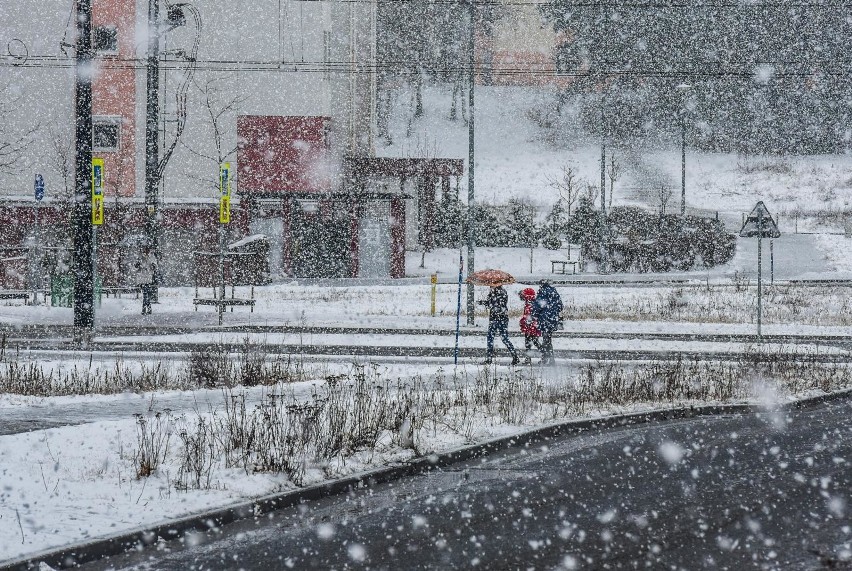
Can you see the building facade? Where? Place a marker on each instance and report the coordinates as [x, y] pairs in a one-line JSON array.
[[283, 91]]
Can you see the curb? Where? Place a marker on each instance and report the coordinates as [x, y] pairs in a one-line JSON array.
[[80, 554]]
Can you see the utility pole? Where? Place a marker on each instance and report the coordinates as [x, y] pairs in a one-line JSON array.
[[471, 224], [602, 233], [683, 166], [81, 214], [152, 149], [683, 89]]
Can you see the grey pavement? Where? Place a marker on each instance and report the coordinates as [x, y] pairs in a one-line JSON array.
[[752, 491], [796, 256]]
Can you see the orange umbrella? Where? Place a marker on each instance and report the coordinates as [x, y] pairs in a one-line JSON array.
[[491, 278]]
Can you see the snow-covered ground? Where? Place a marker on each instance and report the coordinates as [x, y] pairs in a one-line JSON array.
[[72, 483]]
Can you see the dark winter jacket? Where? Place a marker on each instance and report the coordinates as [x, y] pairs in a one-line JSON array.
[[498, 304], [547, 307]]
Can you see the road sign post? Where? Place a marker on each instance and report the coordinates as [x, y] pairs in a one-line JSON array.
[[98, 176], [224, 218], [35, 271], [97, 192], [760, 223]]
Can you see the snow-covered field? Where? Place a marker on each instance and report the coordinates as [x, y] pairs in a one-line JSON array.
[[517, 157]]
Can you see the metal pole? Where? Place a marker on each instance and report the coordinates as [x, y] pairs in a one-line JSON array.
[[458, 307], [604, 254], [221, 271], [84, 314], [602, 225], [152, 148], [772, 262], [471, 226], [36, 278], [759, 271], [682, 167]]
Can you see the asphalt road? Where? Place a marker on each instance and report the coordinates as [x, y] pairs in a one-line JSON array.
[[758, 491]]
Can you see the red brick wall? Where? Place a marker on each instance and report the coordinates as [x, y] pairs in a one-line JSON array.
[[283, 154]]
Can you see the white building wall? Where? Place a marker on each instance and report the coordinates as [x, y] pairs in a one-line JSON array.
[[268, 54], [37, 88]]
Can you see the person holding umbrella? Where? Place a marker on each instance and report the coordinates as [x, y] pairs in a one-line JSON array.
[[497, 303]]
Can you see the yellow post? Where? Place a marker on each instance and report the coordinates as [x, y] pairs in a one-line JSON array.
[[434, 291]]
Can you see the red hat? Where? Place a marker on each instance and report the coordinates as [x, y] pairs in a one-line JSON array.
[[528, 294]]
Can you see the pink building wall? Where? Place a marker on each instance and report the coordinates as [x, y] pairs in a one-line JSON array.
[[114, 93]]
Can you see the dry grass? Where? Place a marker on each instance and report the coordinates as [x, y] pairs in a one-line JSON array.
[[353, 413]]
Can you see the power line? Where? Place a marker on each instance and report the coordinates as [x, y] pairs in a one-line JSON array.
[[602, 4], [784, 68]]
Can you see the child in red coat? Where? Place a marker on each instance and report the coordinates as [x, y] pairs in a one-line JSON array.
[[529, 327]]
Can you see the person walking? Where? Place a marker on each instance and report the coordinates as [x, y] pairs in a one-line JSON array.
[[547, 310], [498, 322], [529, 326], [145, 269]]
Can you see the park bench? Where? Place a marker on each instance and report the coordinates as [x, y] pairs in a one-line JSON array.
[[561, 266], [206, 277], [15, 294], [226, 302]]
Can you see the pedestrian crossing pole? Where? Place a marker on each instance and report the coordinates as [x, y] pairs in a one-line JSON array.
[[471, 220], [224, 218]]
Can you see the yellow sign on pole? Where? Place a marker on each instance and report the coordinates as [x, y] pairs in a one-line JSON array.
[[98, 174], [224, 210], [225, 193]]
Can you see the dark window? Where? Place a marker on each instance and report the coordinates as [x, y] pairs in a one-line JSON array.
[[106, 134], [105, 39]]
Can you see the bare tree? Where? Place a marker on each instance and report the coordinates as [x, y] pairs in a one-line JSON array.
[[428, 149], [663, 196], [217, 107], [614, 172], [568, 186], [13, 142], [592, 192], [61, 160]]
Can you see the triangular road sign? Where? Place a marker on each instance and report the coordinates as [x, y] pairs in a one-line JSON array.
[[760, 221]]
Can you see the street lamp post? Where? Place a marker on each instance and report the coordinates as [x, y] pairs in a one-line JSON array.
[[683, 88], [471, 223]]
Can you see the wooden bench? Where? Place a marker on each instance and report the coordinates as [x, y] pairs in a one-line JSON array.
[[224, 302], [15, 294], [562, 266], [116, 291], [227, 302]]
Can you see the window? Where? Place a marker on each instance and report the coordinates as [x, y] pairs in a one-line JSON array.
[[105, 39], [106, 134]]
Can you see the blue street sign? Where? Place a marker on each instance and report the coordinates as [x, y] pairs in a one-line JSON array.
[[38, 187]]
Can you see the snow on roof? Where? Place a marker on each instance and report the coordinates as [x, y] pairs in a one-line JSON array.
[[248, 240]]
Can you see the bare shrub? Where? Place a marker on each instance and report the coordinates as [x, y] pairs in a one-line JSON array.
[[210, 367], [252, 360], [198, 455], [153, 435]]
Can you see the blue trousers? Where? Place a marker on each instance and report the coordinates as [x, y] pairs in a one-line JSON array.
[[500, 328]]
